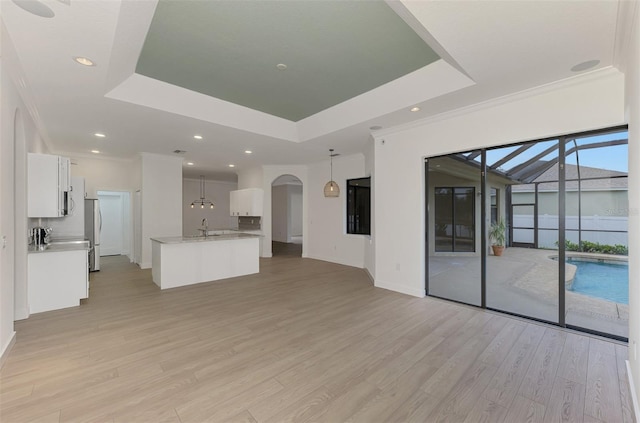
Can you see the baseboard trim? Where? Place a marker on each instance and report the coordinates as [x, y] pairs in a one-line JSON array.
[[336, 260], [21, 314], [370, 275], [420, 293], [7, 349], [632, 390], [144, 265]]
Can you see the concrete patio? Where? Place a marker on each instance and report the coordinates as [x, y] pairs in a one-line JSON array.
[[524, 281]]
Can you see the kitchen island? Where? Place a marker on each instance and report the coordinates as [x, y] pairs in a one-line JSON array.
[[179, 261]]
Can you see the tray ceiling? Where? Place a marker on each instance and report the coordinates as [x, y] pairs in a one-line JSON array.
[[333, 51]]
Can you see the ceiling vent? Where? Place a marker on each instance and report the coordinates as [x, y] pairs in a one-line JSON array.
[[179, 151]]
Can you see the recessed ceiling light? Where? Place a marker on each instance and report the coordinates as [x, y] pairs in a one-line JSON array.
[[585, 65], [95, 151], [198, 137], [232, 165], [35, 7], [99, 135], [84, 61], [281, 66], [375, 127], [189, 163], [248, 151], [415, 109]]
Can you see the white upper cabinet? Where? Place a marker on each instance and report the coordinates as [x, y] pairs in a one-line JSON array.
[[246, 202], [48, 185]]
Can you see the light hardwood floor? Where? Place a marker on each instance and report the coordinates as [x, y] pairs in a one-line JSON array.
[[304, 340]]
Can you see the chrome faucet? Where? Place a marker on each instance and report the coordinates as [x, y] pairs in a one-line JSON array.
[[205, 227]]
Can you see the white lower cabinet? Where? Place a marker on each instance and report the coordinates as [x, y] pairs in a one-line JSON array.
[[57, 279]]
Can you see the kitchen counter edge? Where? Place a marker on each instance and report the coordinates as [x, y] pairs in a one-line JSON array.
[[210, 238], [56, 248]]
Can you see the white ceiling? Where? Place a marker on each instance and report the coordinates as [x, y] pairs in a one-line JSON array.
[[490, 49]]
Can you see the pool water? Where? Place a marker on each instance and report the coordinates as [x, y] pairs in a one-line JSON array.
[[602, 280]]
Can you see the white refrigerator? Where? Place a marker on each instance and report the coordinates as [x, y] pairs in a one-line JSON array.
[[92, 228]]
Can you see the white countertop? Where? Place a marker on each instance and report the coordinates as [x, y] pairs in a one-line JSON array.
[[209, 238], [54, 248]]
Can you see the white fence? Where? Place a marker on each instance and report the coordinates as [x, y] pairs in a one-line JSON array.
[[594, 229]]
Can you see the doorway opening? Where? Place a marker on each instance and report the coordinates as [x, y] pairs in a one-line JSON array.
[[286, 216], [115, 235]]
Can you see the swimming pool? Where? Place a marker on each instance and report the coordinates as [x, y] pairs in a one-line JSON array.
[[606, 280]]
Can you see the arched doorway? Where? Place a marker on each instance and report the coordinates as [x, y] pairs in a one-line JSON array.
[[286, 216]]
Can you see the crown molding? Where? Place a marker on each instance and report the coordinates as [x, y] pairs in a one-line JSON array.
[[589, 77], [75, 155]]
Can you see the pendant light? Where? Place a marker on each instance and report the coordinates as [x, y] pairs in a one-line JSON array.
[[202, 201], [331, 189]]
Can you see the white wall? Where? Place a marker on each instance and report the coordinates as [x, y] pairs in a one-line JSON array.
[[219, 217], [327, 216], [280, 213], [251, 178], [583, 103], [6, 214], [295, 210], [369, 243], [18, 135], [632, 111], [161, 200], [105, 174], [323, 219]]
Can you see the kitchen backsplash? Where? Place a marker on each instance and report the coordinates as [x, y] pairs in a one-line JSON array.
[[249, 223]]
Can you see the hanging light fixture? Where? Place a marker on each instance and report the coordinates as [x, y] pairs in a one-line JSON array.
[[202, 201], [331, 189]]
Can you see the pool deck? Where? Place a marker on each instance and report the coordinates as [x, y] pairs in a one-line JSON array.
[[525, 281]]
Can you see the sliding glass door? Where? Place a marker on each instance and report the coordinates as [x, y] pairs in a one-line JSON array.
[[454, 259], [597, 279], [524, 279], [559, 206]]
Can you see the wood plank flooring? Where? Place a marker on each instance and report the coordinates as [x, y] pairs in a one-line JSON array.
[[304, 340]]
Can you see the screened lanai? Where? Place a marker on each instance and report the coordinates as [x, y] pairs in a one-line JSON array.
[[564, 205]]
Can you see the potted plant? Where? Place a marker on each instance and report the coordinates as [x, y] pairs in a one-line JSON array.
[[497, 234]]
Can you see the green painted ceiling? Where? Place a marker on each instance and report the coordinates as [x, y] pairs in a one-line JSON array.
[[334, 50]]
